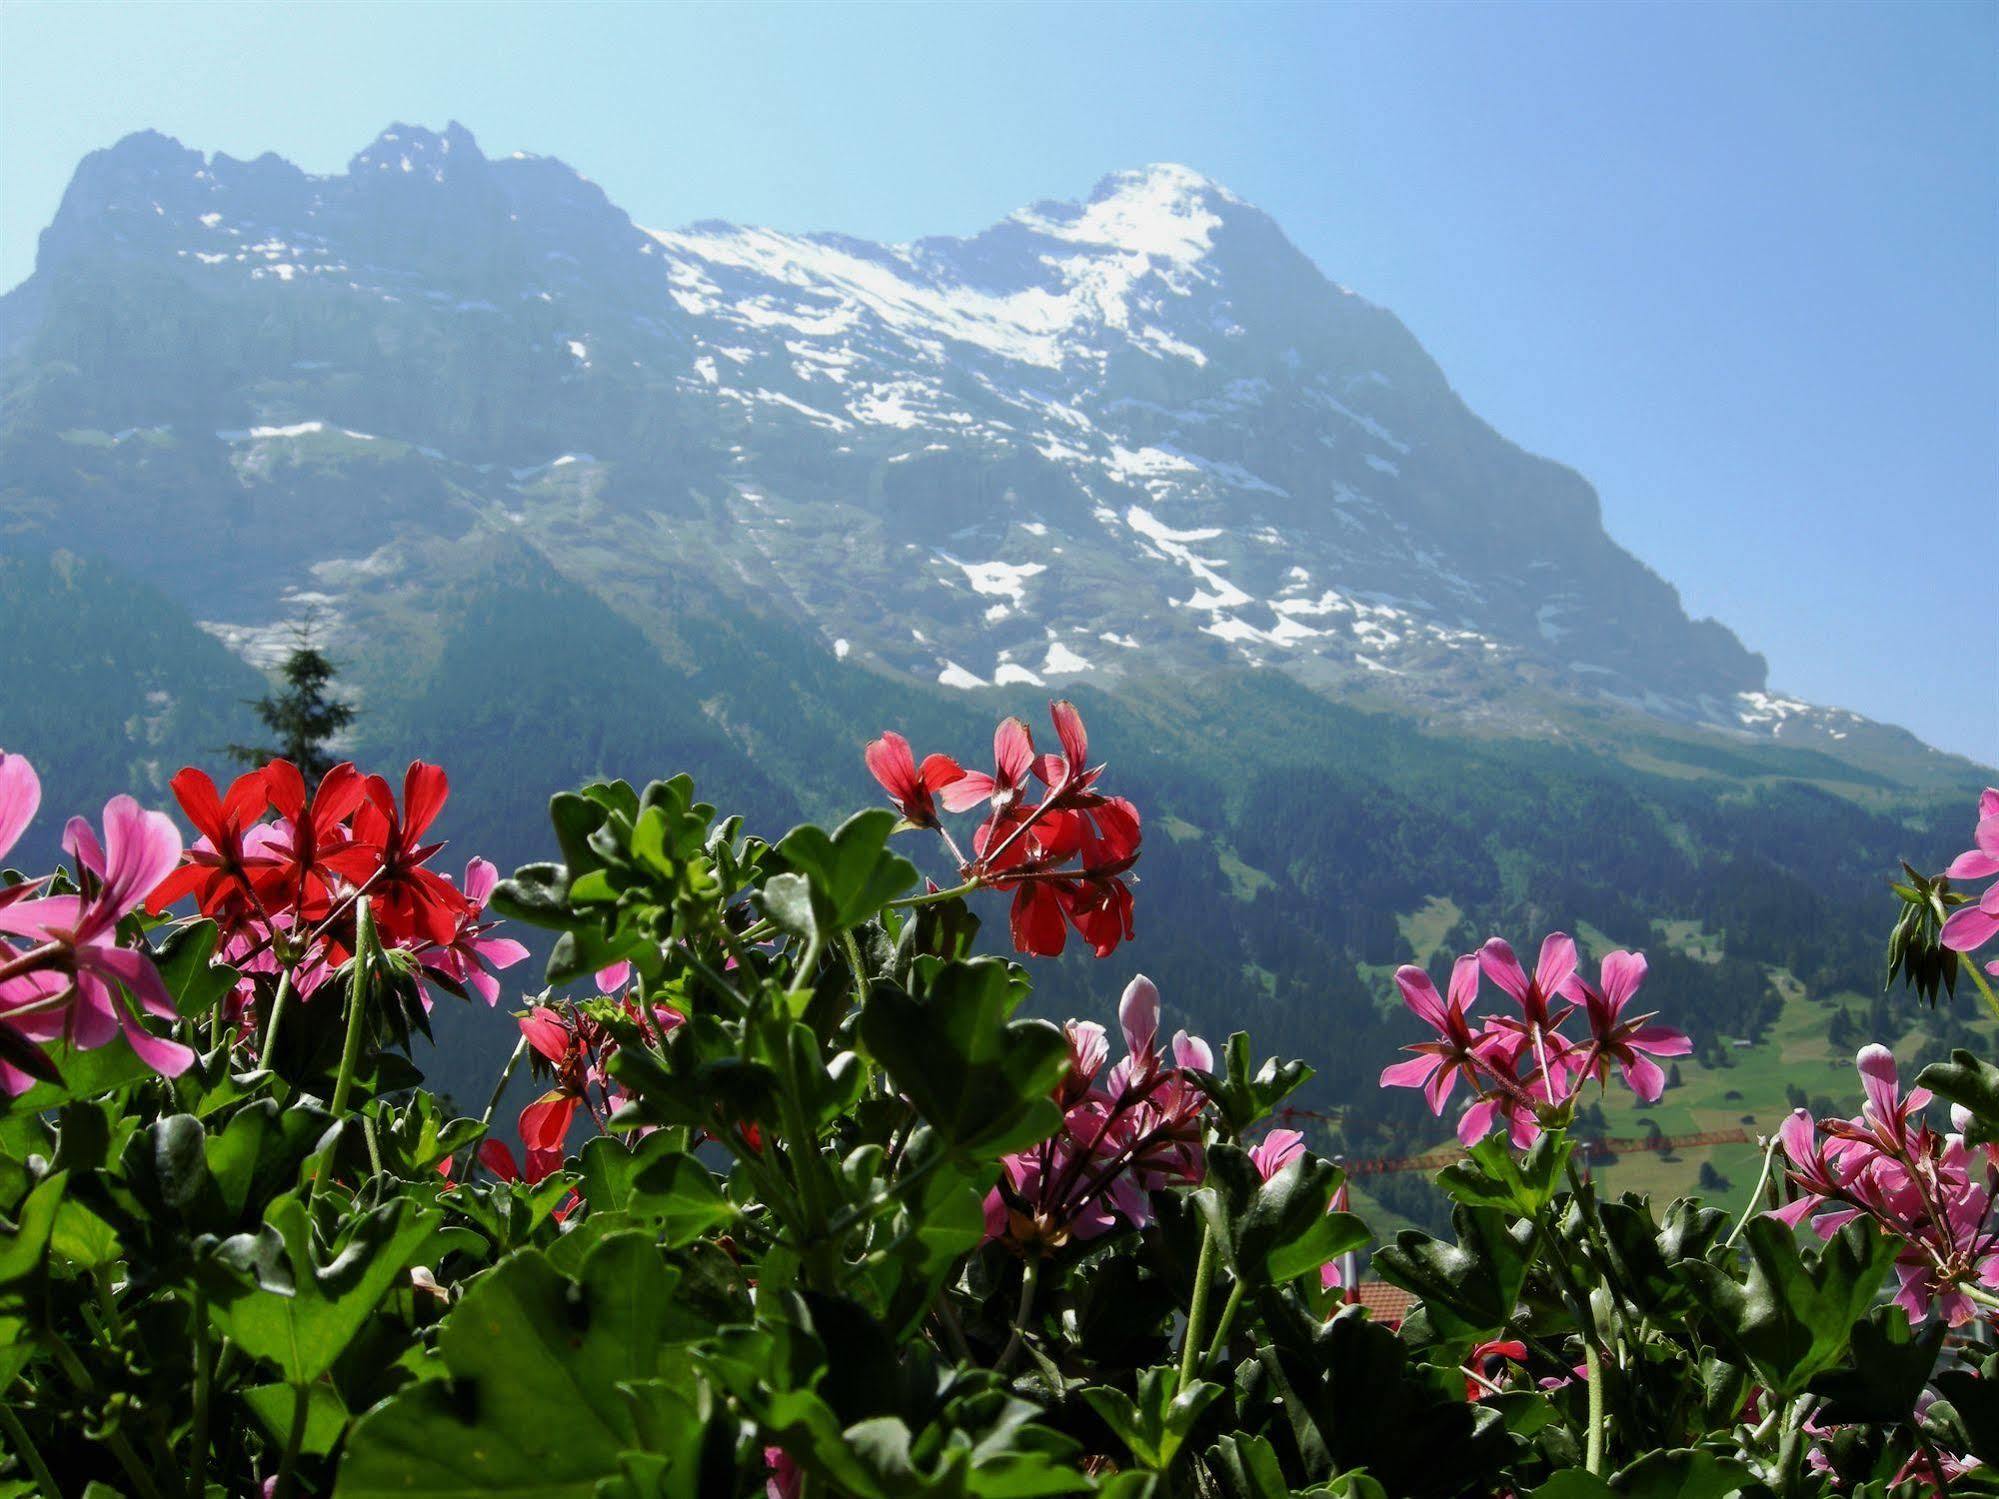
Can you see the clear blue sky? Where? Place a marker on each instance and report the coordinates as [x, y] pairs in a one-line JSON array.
[[1738, 265]]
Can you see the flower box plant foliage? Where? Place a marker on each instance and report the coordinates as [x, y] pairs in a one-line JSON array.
[[805, 1205]]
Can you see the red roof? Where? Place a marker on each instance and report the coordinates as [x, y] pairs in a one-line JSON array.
[[1384, 1303]]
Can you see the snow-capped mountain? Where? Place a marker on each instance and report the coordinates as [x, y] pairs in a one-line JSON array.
[[1122, 437]]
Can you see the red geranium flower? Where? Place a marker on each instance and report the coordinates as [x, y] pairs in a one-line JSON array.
[[911, 788], [411, 903]]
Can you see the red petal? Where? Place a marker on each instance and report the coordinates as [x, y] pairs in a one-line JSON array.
[[424, 789]]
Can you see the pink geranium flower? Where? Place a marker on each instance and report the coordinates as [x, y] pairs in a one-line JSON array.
[[1438, 1064], [74, 994], [474, 953], [1971, 927], [1631, 1043]]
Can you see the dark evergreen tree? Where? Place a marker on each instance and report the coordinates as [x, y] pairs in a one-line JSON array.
[[304, 716]]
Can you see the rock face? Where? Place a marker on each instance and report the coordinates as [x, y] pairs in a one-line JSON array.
[[1098, 441]]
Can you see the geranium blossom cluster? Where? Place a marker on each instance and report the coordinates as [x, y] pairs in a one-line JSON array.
[[1930, 1190], [572, 1048], [1525, 1068], [280, 868], [277, 866], [1971, 927], [1063, 856], [1126, 1132]]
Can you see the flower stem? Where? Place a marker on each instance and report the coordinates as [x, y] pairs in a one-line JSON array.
[[24, 1448], [1970, 965], [935, 896], [270, 1050], [1762, 1181], [197, 1477], [1219, 1342], [493, 1103], [1593, 1455], [1197, 1309], [1030, 1279], [357, 1004]]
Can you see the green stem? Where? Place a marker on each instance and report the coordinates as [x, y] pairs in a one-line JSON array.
[[1762, 1181], [301, 1408], [1983, 1297], [859, 968], [197, 1471], [1593, 1455], [1970, 966], [493, 1103], [270, 1049], [1197, 1309], [25, 1449], [935, 897], [1219, 1342], [1030, 1279], [357, 1004]]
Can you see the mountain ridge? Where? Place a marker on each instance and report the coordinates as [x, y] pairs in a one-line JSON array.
[[1123, 436]]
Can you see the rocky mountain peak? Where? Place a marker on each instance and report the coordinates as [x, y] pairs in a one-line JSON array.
[[1104, 439]]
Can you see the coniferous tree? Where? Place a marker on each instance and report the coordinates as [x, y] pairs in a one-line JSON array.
[[303, 716]]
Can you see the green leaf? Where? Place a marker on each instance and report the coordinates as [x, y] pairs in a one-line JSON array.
[[1677, 1473], [982, 1081], [1470, 1288], [1245, 1099], [281, 1304], [1493, 1178], [852, 872], [1793, 1316], [1153, 1426], [1277, 1230], [787, 900], [535, 1402], [1969, 1080], [325, 1414], [1891, 1364], [657, 1185], [24, 1242]]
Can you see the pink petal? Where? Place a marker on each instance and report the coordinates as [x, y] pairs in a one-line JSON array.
[[1623, 972], [20, 795], [1420, 994], [480, 878], [1644, 1077], [1411, 1074], [1969, 928], [1497, 960], [613, 978], [1476, 1122], [1138, 1014], [1464, 982], [1069, 729], [1878, 1080], [1791, 1214], [1975, 864], [1192, 1052], [1661, 1041], [136, 972], [1557, 964], [966, 793], [140, 849]]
